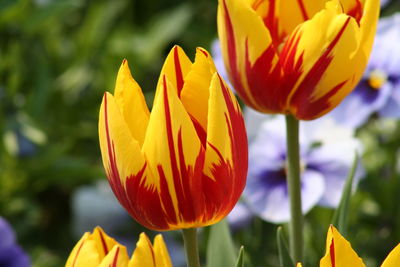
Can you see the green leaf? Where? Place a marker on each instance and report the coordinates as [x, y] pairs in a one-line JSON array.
[[240, 260], [284, 257], [340, 216], [220, 247]]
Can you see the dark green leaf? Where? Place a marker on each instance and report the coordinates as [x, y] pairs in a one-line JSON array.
[[284, 256]]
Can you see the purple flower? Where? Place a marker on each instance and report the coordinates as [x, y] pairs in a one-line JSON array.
[[327, 153], [11, 254], [379, 89]]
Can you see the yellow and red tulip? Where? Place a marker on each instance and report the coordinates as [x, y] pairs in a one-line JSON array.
[[97, 249], [299, 57], [184, 164], [340, 254]]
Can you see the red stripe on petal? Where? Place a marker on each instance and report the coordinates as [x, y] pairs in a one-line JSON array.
[[303, 10], [356, 11], [332, 252], [264, 80], [232, 67], [115, 260], [201, 132], [153, 257], [306, 108], [140, 201], [224, 189], [178, 71], [103, 243], [77, 253], [182, 174]]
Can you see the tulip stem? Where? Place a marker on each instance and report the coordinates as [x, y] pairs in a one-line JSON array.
[[294, 187], [192, 252]]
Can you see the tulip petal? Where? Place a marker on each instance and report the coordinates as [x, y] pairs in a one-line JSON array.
[[195, 92], [295, 12], [368, 25], [339, 252], [118, 257], [103, 241], [250, 56], [129, 98], [161, 252], [121, 153], [143, 254], [84, 253], [175, 68], [226, 153], [175, 158], [316, 63], [393, 259]]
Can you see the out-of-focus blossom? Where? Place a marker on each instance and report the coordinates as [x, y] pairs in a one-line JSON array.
[[96, 205], [97, 249], [296, 57], [384, 3], [339, 253], [240, 216], [379, 89], [327, 153], [184, 164], [11, 254]]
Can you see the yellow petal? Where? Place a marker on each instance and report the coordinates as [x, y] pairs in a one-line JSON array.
[[295, 12], [161, 252], [175, 68], [143, 255], [195, 92], [103, 241], [121, 153], [172, 149], [130, 100], [393, 259], [339, 252], [218, 141], [118, 257], [244, 42], [368, 24], [225, 166], [327, 61], [84, 254]]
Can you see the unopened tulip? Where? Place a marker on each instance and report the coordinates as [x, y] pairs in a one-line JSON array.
[[183, 165], [298, 57]]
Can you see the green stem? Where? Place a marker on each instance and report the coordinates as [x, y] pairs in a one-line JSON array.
[[294, 186], [192, 252]]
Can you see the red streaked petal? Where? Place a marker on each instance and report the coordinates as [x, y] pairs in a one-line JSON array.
[[316, 62], [226, 158], [175, 68], [174, 154], [240, 27]]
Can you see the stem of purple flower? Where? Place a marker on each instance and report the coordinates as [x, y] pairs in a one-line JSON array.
[[294, 188], [191, 249]]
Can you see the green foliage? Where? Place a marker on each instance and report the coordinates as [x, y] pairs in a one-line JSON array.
[[285, 259], [220, 247], [342, 212]]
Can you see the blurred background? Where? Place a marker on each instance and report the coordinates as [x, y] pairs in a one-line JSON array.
[[58, 57]]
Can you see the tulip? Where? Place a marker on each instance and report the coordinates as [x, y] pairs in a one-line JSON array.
[[340, 254], [296, 57], [98, 249], [184, 164]]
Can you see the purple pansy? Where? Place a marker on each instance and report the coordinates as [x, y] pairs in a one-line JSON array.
[[11, 254], [327, 152], [379, 89]]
